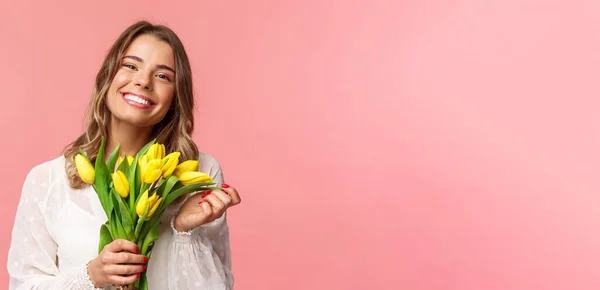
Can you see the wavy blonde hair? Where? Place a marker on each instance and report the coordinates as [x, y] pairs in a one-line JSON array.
[[176, 127]]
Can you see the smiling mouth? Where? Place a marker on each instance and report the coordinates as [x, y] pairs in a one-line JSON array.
[[136, 100]]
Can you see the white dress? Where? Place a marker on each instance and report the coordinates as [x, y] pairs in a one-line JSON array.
[[56, 233]]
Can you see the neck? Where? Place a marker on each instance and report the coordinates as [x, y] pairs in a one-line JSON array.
[[131, 138]]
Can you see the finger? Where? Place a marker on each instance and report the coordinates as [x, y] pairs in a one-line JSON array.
[[215, 202], [123, 280], [233, 193], [128, 258], [207, 210], [122, 245], [222, 196], [206, 193], [204, 215], [124, 269]]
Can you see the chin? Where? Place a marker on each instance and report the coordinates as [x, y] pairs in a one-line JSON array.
[[134, 120]]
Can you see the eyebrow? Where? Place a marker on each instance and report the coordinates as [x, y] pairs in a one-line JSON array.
[[137, 58]]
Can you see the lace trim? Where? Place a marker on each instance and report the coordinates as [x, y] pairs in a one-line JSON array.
[[188, 233], [83, 280], [189, 236]]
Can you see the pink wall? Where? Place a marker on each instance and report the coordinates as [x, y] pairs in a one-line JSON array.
[[377, 145]]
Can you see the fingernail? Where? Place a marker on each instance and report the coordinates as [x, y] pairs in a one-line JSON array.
[[201, 202], [145, 259], [143, 267], [224, 185], [206, 193], [138, 275], [137, 250]]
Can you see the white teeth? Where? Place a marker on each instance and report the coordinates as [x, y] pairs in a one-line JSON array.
[[137, 99]]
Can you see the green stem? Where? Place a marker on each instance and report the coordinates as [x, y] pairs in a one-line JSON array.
[[132, 201]]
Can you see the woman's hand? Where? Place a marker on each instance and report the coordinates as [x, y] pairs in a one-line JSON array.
[[117, 264], [204, 208]]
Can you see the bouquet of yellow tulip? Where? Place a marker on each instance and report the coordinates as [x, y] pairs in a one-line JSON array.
[[135, 191]]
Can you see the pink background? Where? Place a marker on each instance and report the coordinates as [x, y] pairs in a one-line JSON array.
[[376, 144]]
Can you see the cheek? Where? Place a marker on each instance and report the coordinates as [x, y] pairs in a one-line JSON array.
[[166, 95], [119, 80]]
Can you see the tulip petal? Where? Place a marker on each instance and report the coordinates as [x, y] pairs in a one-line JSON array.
[[188, 165], [170, 163], [85, 169], [151, 171], [192, 177], [121, 184], [142, 203]]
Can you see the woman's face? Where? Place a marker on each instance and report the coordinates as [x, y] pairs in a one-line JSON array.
[[142, 91]]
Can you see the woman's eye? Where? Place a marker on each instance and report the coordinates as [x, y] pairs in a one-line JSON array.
[[164, 77], [129, 66]]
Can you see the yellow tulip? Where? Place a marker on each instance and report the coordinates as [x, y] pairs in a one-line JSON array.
[[141, 204], [121, 184], [143, 161], [192, 177], [151, 171], [156, 151], [144, 202], [170, 163], [86, 171], [129, 160], [153, 208], [188, 165]]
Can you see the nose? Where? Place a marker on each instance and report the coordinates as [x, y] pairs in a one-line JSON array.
[[143, 80]]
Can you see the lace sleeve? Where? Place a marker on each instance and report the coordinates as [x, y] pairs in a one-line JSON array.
[[33, 253], [201, 258]]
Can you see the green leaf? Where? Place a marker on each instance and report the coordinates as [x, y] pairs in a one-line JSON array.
[[138, 180], [185, 190], [149, 239], [116, 228], [112, 160], [104, 198], [149, 255], [123, 213], [134, 177], [105, 237], [140, 222], [117, 213], [101, 181], [100, 164], [133, 190], [143, 282], [124, 167], [150, 224], [133, 186], [166, 186]]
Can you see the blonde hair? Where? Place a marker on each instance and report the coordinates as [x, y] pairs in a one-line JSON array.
[[176, 127]]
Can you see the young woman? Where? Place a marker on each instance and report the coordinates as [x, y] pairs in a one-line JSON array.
[[142, 91]]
